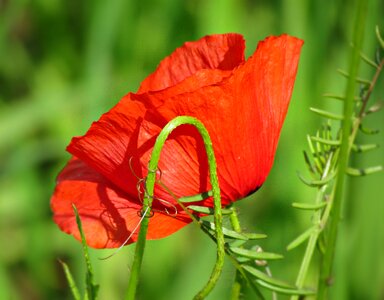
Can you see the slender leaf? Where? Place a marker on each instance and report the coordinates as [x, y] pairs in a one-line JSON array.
[[207, 210], [368, 130], [363, 172], [71, 281], [196, 198], [326, 142], [316, 183], [265, 277], [339, 97], [255, 254], [302, 238], [309, 206], [359, 80], [227, 232], [326, 114], [368, 60], [364, 148], [286, 291]]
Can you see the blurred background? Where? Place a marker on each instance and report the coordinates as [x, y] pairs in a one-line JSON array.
[[64, 63]]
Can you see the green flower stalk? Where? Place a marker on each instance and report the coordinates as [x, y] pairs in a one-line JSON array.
[[147, 204]]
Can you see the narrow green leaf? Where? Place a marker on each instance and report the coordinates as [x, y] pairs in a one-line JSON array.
[[326, 142], [196, 198], [316, 183], [326, 114], [71, 281], [92, 288], [237, 243], [321, 150], [302, 238], [359, 80], [254, 236], [339, 97], [368, 131], [286, 291], [363, 172], [227, 232], [254, 254], [379, 38], [309, 206], [368, 60], [364, 148], [208, 210], [310, 166], [314, 154], [264, 277]]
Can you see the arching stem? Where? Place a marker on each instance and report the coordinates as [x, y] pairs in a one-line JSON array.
[[147, 204]]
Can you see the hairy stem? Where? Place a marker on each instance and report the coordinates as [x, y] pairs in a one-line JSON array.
[[147, 203]]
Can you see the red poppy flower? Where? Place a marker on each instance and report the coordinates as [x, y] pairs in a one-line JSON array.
[[242, 104]]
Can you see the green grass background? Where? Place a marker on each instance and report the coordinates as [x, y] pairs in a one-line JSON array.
[[64, 63]]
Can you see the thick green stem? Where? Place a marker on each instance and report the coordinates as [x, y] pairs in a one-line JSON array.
[[346, 144], [147, 203]]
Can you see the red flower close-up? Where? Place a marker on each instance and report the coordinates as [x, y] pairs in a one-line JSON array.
[[242, 103]]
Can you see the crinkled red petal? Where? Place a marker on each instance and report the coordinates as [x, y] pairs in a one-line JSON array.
[[220, 52], [108, 215]]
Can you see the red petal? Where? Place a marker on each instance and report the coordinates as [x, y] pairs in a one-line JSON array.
[[222, 52], [244, 115], [111, 143], [108, 215]]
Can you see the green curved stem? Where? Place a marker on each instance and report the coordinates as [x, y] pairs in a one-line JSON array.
[[346, 144], [147, 204]]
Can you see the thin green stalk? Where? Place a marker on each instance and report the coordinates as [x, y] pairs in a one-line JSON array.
[[239, 281], [319, 220], [147, 203], [346, 144]]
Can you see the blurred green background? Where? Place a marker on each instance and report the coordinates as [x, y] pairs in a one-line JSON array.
[[64, 63]]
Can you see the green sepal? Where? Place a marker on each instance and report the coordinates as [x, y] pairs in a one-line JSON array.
[[255, 255], [309, 206], [326, 114], [363, 172], [208, 210], [226, 232], [196, 198], [364, 148], [302, 238], [71, 281]]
